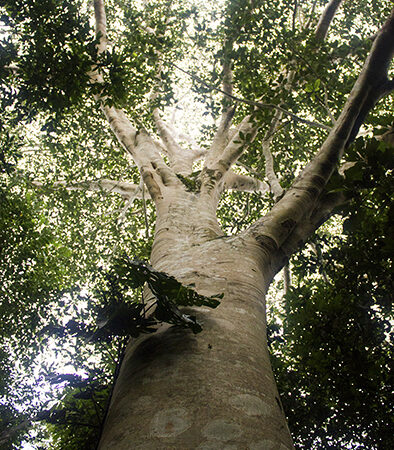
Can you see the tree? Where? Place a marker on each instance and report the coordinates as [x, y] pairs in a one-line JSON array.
[[282, 81]]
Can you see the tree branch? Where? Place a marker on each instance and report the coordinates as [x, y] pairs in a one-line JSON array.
[[221, 137], [304, 229], [220, 140], [249, 169], [138, 144], [172, 147], [244, 183], [320, 214], [310, 18], [317, 251], [124, 188], [286, 279], [290, 211], [257, 104], [227, 78], [326, 19], [295, 11], [213, 174], [9, 433], [101, 25], [180, 160], [273, 180]]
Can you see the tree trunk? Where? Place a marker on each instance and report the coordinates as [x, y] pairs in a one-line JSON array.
[[214, 390]]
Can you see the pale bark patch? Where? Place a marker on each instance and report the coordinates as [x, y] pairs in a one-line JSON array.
[[170, 422], [251, 405], [165, 372], [266, 444], [213, 445], [222, 430], [228, 324], [142, 402]]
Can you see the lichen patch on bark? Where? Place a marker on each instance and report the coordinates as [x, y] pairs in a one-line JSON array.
[[170, 422], [251, 405], [222, 430], [264, 444], [213, 445]]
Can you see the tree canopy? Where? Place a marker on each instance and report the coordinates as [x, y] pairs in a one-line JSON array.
[[76, 221]]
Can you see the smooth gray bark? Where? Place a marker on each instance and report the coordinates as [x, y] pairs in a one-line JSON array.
[[326, 19], [214, 390]]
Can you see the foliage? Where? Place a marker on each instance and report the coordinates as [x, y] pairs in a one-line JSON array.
[[76, 420], [192, 183], [334, 356], [332, 346], [52, 49], [122, 316]]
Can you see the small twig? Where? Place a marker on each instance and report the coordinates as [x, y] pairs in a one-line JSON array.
[[310, 18]]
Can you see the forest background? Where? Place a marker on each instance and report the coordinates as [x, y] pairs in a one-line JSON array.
[[74, 212]]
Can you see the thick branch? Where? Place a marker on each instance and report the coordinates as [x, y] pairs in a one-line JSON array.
[[227, 79], [273, 180], [245, 134], [320, 214], [167, 135], [101, 34], [372, 83], [221, 137], [237, 182], [101, 25], [155, 173], [123, 188], [180, 159], [121, 126], [326, 19], [304, 229], [138, 144], [143, 149], [213, 174]]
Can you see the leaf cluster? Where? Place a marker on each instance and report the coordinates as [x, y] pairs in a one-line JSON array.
[[333, 355], [77, 419], [124, 317]]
